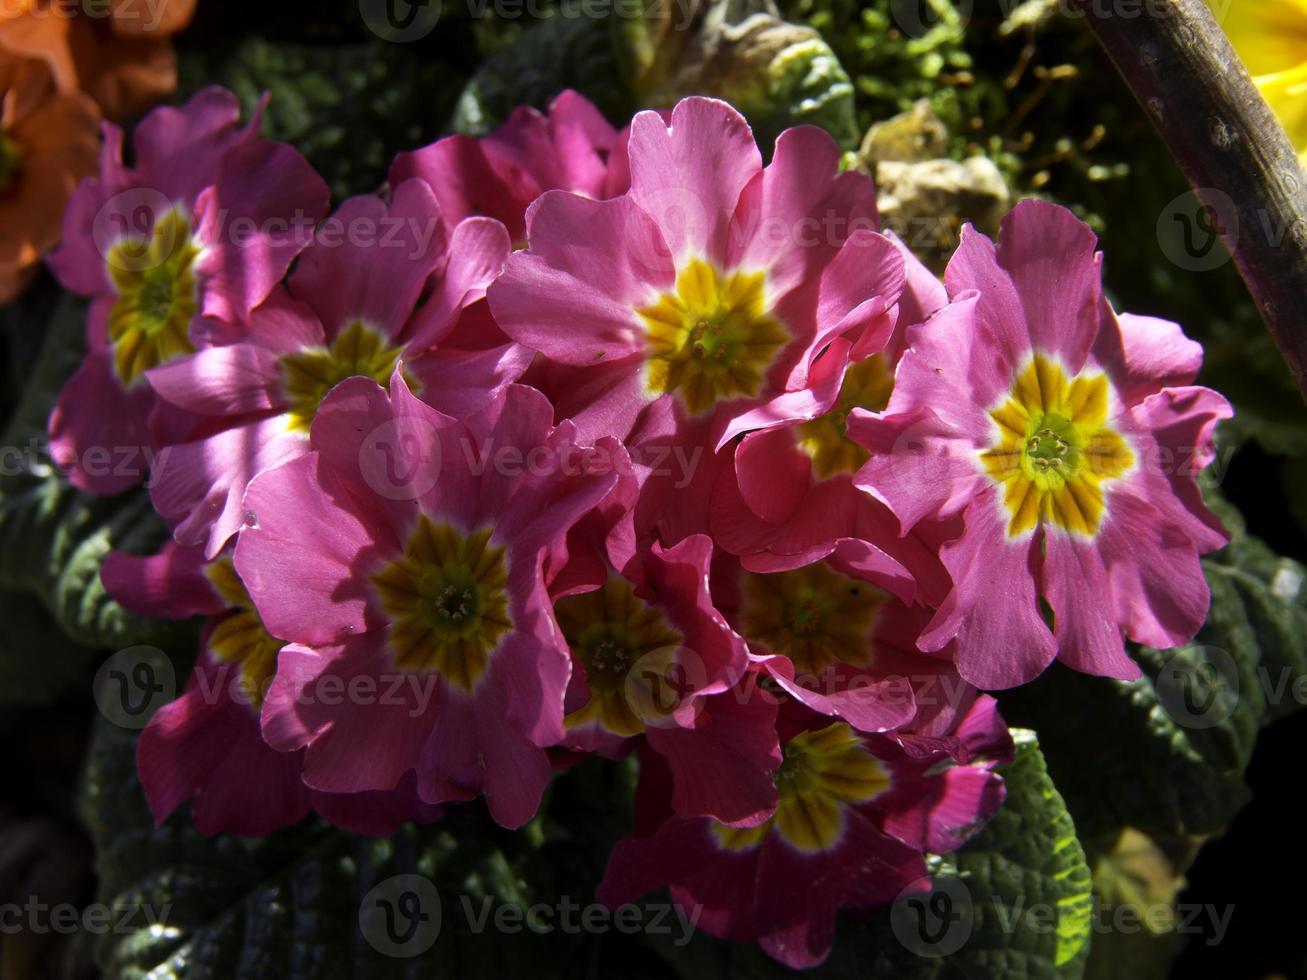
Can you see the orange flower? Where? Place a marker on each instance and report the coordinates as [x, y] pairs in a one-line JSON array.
[[48, 142], [118, 52]]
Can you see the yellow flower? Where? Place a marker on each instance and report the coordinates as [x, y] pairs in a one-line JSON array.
[[1270, 36]]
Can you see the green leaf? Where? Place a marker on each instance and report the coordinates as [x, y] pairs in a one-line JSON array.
[[53, 538], [288, 905]]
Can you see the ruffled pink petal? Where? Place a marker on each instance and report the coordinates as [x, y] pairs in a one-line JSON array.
[[198, 487], [369, 261], [688, 174], [868, 703], [233, 380], [253, 221], [573, 298], [361, 721], [798, 894], [772, 475], [377, 814], [1158, 589], [169, 585], [303, 551], [1051, 257], [478, 249], [921, 465], [79, 263], [460, 383], [993, 610], [582, 139], [99, 431], [179, 149], [716, 883], [1074, 582], [1143, 354], [723, 766], [793, 216], [205, 747], [1182, 422], [469, 180]]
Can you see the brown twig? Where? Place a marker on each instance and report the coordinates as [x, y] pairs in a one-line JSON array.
[[1180, 66]]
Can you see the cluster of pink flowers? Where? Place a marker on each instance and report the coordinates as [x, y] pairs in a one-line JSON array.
[[577, 441]]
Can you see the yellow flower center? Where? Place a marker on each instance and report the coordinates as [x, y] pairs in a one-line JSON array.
[[813, 615], [11, 158], [150, 321], [309, 374], [867, 384], [240, 637], [1054, 449], [822, 772], [711, 337], [611, 631], [447, 602]]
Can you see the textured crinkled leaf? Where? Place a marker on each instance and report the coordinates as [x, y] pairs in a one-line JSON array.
[[53, 538], [288, 906]]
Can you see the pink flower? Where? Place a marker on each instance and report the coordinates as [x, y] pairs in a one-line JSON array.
[[784, 496], [653, 658], [404, 560], [1066, 439], [833, 636], [692, 308], [856, 814], [572, 147], [379, 282], [205, 746], [204, 224]]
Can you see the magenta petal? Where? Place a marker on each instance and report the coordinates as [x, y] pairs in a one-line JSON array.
[[231, 380], [688, 174], [206, 746], [1055, 268], [1158, 587], [197, 487], [1074, 582], [179, 149], [773, 474], [993, 610], [1142, 354], [478, 249], [369, 261], [574, 299], [723, 766], [169, 585], [302, 555], [461, 383], [99, 431], [869, 704], [253, 222]]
